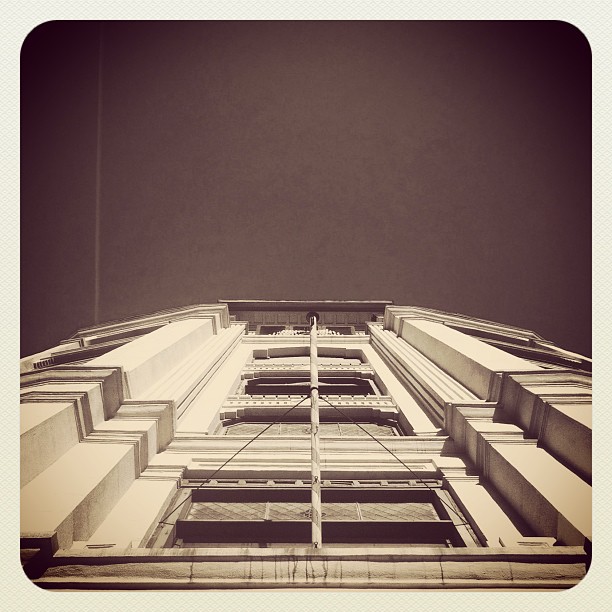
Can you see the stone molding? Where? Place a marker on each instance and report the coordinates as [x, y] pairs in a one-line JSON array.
[[552, 568], [533, 345], [431, 387], [294, 369], [201, 443], [186, 380], [394, 315], [96, 340], [218, 313], [369, 407], [108, 379]]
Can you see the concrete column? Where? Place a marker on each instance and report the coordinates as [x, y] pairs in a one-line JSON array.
[[414, 415], [136, 514], [487, 518], [428, 383], [146, 360], [201, 415], [140, 432], [554, 407], [48, 430], [74, 494], [551, 498], [471, 362], [185, 380], [548, 496], [87, 399]]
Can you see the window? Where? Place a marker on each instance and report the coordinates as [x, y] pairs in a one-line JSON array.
[[268, 330], [327, 430], [304, 330], [292, 356], [270, 514], [300, 385]]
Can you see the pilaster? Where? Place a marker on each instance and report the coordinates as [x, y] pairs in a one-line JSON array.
[[137, 513], [550, 498], [428, 383], [412, 416], [488, 519], [74, 494], [222, 375], [146, 360], [48, 430], [469, 361], [61, 407], [553, 407]]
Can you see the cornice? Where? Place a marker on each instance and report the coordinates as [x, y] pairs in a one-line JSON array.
[[527, 343], [553, 378], [306, 306], [394, 313], [305, 340], [154, 320]]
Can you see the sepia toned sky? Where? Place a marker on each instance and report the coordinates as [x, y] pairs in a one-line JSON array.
[[438, 164]]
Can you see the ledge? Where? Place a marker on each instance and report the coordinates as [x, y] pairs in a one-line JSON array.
[[548, 567]]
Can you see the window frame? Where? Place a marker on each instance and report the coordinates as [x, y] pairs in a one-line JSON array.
[[227, 424]]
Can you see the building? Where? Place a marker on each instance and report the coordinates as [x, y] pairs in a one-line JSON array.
[[173, 451]]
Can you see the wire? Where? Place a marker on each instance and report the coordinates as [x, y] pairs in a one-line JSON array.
[[279, 420], [346, 416]]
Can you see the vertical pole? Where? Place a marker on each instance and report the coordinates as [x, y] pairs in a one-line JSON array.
[[98, 179], [315, 459]]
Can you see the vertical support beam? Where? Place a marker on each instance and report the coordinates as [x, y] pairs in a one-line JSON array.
[[314, 436]]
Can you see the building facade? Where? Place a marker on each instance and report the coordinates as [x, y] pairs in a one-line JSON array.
[[173, 451]]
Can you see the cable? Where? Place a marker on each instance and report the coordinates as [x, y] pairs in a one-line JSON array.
[[346, 416], [279, 420]]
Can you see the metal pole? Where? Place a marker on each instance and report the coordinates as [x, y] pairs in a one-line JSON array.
[[314, 437]]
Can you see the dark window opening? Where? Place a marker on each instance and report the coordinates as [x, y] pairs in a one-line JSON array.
[[285, 385], [327, 356], [267, 330]]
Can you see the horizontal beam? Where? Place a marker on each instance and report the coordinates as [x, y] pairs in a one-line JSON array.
[[301, 494], [392, 532]]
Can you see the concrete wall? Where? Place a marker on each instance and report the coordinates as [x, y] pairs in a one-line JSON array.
[[103, 461]]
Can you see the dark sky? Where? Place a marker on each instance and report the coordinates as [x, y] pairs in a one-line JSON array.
[[440, 164]]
